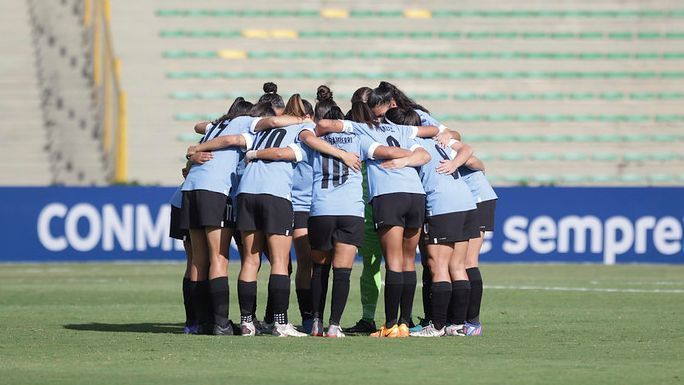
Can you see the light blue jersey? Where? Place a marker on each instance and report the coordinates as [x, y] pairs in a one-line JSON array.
[[177, 198], [338, 190], [274, 177], [302, 182], [426, 119], [382, 181], [217, 174], [478, 184], [445, 193]]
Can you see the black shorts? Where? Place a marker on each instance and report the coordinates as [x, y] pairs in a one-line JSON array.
[[399, 209], [263, 212], [452, 227], [202, 208], [485, 214], [301, 219], [175, 230], [326, 230]]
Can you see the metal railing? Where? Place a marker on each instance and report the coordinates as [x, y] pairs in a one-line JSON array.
[[110, 97]]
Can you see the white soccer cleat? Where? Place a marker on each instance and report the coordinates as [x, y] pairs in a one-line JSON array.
[[335, 331], [429, 331], [317, 328], [455, 330], [247, 329], [286, 330]]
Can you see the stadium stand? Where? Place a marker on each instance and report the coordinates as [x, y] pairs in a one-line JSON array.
[[68, 101], [571, 93], [26, 161]]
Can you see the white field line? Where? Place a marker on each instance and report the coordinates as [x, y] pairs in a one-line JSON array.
[[584, 289]]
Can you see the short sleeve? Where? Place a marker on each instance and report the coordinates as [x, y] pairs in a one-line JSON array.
[[249, 140], [427, 120], [252, 126], [298, 151], [368, 147]]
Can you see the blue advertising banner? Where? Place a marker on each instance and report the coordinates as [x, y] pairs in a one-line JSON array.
[[542, 224]]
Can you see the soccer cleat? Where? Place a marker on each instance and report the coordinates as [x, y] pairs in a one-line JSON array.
[[404, 331], [362, 327], [307, 323], [335, 331], [455, 330], [429, 331], [317, 328], [262, 327], [473, 329], [223, 331], [423, 323], [191, 329], [384, 332], [286, 330], [247, 329]]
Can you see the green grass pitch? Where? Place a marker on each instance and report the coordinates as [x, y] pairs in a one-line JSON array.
[[543, 324]]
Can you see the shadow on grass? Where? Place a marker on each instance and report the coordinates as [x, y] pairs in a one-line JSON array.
[[146, 327]]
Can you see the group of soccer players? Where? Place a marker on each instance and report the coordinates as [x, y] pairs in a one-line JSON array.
[[380, 180]]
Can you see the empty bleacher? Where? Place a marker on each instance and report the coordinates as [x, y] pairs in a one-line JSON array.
[[568, 93]]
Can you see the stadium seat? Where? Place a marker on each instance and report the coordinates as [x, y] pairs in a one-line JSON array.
[[573, 178], [632, 178], [573, 156], [604, 157], [603, 178], [543, 156], [664, 156], [511, 156], [634, 157], [661, 178]]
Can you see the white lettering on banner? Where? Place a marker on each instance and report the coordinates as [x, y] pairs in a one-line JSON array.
[[667, 236], [87, 211], [152, 234], [516, 237], [579, 227], [543, 235], [47, 239], [131, 227], [613, 246], [115, 226], [616, 236]]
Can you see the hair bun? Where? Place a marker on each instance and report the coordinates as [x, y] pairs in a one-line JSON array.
[[323, 93], [270, 88], [386, 86]]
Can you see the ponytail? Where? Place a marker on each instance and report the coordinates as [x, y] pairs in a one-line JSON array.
[[361, 113]]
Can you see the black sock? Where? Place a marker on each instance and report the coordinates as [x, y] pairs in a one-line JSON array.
[[475, 278], [247, 293], [408, 292], [441, 295], [425, 291], [202, 302], [340, 293], [458, 305], [218, 289], [394, 282], [319, 288], [187, 302], [279, 291], [305, 304]]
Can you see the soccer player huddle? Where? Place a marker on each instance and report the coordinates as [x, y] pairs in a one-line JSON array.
[[382, 179]]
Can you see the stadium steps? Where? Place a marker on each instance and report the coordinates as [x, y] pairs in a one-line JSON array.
[[23, 136], [68, 97]]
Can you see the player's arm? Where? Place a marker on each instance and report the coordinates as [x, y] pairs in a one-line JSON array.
[[328, 126], [463, 153], [201, 127], [388, 152], [277, 154], [417, 158], [218, 143], [351, 160], [475, 163], [446, 136], [278, 121]]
